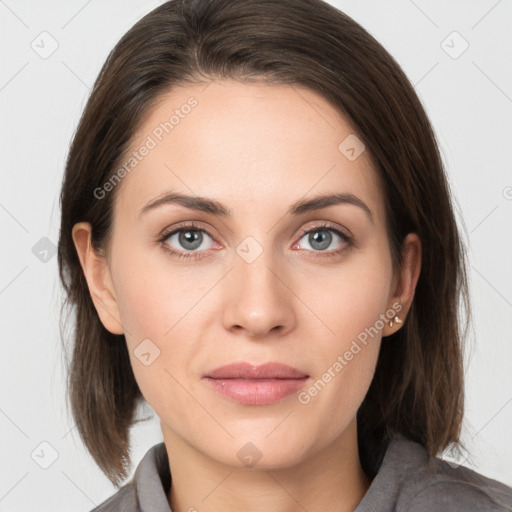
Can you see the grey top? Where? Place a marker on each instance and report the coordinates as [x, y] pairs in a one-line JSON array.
[[408, 480]]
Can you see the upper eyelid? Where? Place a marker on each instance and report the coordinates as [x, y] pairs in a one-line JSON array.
[[325, 226], [197, 226], [190, 226]]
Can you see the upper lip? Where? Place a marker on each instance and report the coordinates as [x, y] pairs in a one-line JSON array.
[[246, 370]]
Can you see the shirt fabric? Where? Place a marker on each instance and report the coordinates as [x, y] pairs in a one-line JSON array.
[[408, 479]]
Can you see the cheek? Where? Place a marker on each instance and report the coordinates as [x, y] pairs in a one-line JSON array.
[[158, 355], [152, 295], [350, 298], [160, 307], [331, 402], [353, 304], [345, 366]]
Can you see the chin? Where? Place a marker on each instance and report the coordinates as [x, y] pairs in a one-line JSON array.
[[253, 452]]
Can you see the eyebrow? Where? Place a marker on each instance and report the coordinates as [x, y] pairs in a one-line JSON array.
[[207, 205]]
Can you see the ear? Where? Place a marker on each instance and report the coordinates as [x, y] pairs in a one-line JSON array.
[[405, 282], [99, 281]]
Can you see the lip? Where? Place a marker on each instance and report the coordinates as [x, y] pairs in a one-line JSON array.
[[256, 385], [245, 370]]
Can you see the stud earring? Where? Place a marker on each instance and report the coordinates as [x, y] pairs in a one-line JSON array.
[[396, 319]]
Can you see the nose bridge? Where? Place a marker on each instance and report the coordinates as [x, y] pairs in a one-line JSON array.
[[258, 300]]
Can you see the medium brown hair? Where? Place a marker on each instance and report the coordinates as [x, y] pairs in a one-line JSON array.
[[417, 389]]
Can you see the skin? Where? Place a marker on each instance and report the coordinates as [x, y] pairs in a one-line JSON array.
[[256, 149]]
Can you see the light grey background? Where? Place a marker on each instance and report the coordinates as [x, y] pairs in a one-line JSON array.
[[469, 99]]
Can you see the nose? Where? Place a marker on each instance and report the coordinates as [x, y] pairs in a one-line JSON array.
[[258, 299]]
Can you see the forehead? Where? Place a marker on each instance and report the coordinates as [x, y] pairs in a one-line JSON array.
[[252, 146]]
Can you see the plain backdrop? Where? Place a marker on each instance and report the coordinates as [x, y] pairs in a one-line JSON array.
[[467, 93]]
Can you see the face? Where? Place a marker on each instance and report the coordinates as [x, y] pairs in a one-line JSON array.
[[241, 272]]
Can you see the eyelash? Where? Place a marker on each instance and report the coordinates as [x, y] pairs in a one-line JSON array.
[[192, 226]]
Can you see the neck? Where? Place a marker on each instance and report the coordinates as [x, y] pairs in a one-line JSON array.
[[330, 478]]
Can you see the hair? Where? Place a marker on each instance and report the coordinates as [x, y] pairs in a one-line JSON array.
[[417, 389]]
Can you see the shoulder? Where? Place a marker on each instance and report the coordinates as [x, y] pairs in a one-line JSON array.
[[124, 499], [411, 480], [147, 490], [439, 486]]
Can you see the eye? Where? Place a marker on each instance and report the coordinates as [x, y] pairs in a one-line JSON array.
[[324, 238], [190, 240], [187, 241]]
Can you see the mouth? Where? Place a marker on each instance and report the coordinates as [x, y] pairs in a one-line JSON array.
[[256, 385]]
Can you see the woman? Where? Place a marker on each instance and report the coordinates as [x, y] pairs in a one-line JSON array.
[[258, 240]]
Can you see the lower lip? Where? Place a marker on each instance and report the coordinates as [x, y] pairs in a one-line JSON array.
[[256, 392]]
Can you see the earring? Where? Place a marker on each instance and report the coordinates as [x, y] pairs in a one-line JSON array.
[[396, 319]]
